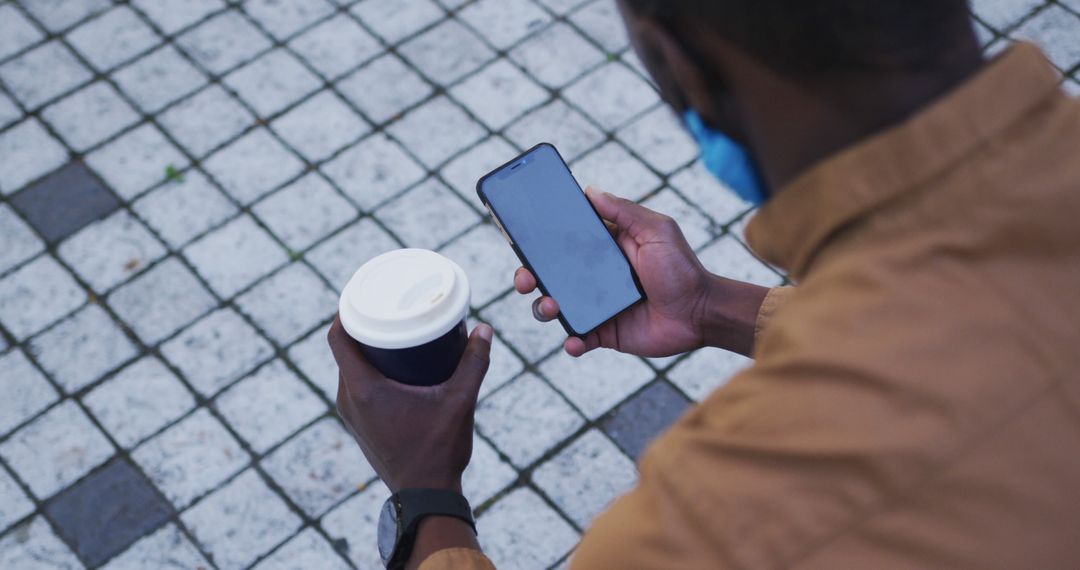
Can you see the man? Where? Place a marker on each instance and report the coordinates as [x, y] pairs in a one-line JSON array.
[[915, 400]]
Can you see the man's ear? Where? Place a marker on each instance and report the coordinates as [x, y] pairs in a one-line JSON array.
[[682, 81]]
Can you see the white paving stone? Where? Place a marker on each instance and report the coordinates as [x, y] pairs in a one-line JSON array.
[[26, 390], [336, 46], [313, 357], [183, 209], [1002, 14], [499, 94], [34, 545], [526, 419], [217, 350], [14, 504], [110, 251], [159, 78], [172, 17], [487, 260], [728, 258], [320, 126], [340, 256], [503, 23], [20, 243], [612, 95], [272, 82], [660, 140], [395, 20], [23, 74], [384, 88], [206, 120], [463, 172], [612, 169], [90, 115], [161, 301], [512, 318], [586, 477], [715, 200], [305, 212], [138, 401], [373, 171], [55, 449], [305, 550], [447, 52], [283, 403], [191, 458], [112, 38], [600, 21], [598, 381], [355, 522], [522, 532], [437, 131], [60, 14], [42, 284], [557, 55], [82, 348], [1057, 31], [223, 42], [29, 152], [504, 366], [283, 18], [297, 287], [319, 467], [240, 521], [487, 474], [16, 31], [235, 255], [696, 228], [706, 370], [556, 123], [166, 548], [136, 161], [427, 216], [9, 112], [252, 166]]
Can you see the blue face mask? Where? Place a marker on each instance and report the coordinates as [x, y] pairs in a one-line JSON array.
[[727, 160]]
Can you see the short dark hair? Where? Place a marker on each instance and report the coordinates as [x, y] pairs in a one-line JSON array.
[[823, 36]]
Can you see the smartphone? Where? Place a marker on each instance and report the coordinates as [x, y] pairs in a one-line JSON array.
[[559, 237]]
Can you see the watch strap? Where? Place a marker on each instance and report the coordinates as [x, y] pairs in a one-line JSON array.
[[416, 505]]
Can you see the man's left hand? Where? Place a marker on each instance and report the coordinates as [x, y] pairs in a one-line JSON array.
[[414, 437]]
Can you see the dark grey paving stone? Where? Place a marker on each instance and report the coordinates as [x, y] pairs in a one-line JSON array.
[[105, 513], [65, 202], [640, 419]]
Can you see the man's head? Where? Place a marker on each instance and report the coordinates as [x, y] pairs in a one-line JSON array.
[[732, 59]]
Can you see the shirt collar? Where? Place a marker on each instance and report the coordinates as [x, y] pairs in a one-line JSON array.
[[795, 223]]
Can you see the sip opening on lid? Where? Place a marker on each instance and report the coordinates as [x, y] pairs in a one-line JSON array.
[[404, 298]]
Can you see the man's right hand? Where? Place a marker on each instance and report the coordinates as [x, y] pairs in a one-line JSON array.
[[687, 307]]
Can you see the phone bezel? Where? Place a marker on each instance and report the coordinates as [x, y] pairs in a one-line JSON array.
[[524, 259]]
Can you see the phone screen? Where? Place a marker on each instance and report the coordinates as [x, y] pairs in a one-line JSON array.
[[558, 234]]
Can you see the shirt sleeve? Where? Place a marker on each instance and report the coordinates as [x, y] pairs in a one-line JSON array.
[[457, 559], [774, 299]]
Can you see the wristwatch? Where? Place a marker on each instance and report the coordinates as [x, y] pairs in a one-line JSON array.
[[401, 516]]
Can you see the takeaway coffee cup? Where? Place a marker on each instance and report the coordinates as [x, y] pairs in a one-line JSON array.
[[406, 309]]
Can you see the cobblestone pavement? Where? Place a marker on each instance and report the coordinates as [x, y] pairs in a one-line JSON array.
[[185, 187]]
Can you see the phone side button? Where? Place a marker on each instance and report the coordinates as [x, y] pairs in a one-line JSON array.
[[503, 230]]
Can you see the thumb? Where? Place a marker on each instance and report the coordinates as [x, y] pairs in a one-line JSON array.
[[634, 219], [474, 363]]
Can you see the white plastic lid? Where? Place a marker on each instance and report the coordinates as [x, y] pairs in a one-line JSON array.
[[404, 298]]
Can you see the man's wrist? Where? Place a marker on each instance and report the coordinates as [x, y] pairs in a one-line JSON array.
[[437, 533], [728, 316]]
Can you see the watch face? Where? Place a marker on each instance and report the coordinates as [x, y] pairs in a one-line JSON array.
[[388, 530]]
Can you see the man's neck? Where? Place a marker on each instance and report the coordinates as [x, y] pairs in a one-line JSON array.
[[793, 127]]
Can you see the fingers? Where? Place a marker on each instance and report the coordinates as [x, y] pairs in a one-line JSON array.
[[524, 281], [545, 309], [634, 219], [578, 347], [474, 363], [350, 361]]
